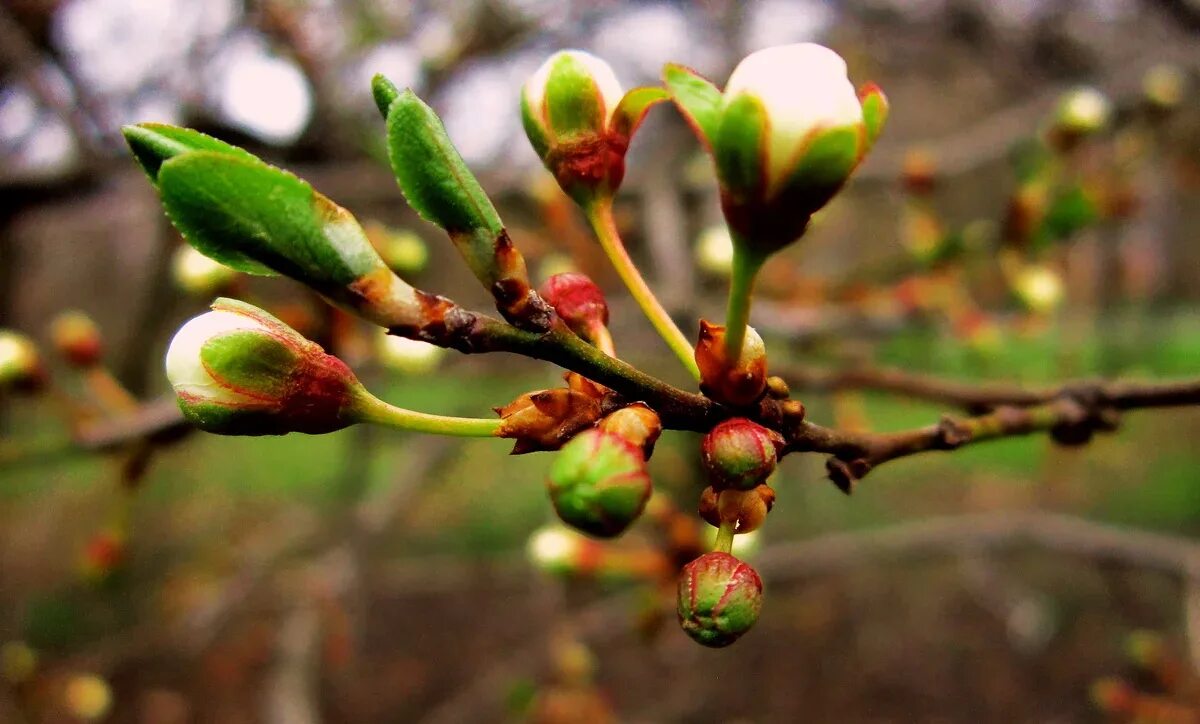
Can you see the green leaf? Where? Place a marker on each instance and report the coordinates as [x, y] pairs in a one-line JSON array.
[[153, 144], [260, 219], [632, 109], [738, 148], [439, 186], [384, 92], [697, 98]]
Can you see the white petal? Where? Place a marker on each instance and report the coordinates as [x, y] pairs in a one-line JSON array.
[[802, 87], [184, 368]]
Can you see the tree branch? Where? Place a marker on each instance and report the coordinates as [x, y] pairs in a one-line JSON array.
[[1072, 415]]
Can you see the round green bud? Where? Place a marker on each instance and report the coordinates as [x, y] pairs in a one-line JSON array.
[[720, 598], [599, 483], [740, 454]]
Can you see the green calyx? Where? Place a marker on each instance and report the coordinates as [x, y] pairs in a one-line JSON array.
[[251, 363], [719, 599], [598, 483], [573, 105]]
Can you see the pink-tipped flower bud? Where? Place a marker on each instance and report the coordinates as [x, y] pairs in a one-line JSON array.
[[599, 483], [720, 598], [740, 382], [240, 371], [77, 339], [580, 303], [740, 454], [20, 364]]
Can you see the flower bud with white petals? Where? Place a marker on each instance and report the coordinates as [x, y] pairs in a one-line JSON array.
[[580, 121], [240, 371]]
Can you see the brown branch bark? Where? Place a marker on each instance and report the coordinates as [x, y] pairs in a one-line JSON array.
[[1072, 415]]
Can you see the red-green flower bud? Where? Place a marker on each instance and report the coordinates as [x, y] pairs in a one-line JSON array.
[[239, 371], [20, 365], [579, 121], [786, 134], [599, 483], [637, 424], [746, 509], [741, 383], [77, 339], [720, 598], [740, 454], [580, 303]]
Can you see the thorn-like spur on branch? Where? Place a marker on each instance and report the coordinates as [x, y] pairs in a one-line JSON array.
[[1072, 415]]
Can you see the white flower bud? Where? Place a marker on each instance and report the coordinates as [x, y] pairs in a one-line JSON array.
[[539, 86], [239, 371], [714, 251], [1039, 288], [804, 90], [555, 549]]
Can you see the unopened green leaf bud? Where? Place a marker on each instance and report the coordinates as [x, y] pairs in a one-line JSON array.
[[599, 483], [237, 370], [719, 599]]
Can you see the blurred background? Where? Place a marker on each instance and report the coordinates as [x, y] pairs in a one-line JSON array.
[[1007, 227]]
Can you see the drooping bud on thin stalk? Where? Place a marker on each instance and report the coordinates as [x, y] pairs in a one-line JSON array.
[[240, 371], [259, 219], [785, 135], [78, 340], [438, 185], [719, 599]]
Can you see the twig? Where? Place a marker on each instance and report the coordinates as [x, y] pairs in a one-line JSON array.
[[1072, 416]]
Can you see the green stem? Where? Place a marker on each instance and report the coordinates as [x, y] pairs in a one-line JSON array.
[[724, 542], [600, 216], [373, 409], [741, 288]]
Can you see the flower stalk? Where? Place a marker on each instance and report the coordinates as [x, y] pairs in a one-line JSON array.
[[599, 214]]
